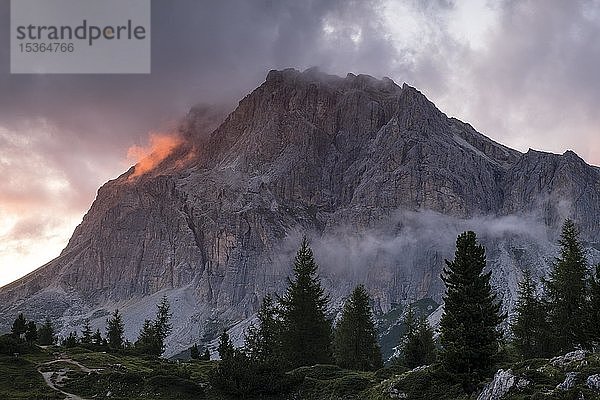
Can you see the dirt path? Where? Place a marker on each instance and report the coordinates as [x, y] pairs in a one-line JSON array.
[[53, 378]]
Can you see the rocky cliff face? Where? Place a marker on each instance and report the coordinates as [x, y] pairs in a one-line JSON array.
[[374, 173]]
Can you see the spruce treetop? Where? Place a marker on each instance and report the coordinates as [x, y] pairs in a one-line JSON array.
[[355, 343], [566, 292], [469, 331], [529, 325], [306, 330], [572, 253], [115, 330]]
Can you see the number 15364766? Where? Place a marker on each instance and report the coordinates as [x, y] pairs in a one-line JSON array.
[[55, 47]]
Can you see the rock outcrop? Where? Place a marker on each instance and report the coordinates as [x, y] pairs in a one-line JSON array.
[[572, 375], [593, 382], [376, 175], [501, 384]]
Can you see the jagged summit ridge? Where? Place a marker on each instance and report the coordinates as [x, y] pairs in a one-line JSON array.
[[351, 81], [374, 173]]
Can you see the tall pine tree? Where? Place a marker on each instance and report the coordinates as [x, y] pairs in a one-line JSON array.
[[566, 292], [115, 330], [234, 374], [46, 333], [306, 331], [19, 326], [162, 323], [263, 341], [147, 341], [225, 348], [194, 352], [151, 340], [529, 327], [97, 339], [409, 345], [86, 333], [594, 309], [469, 325], [31, 334], [264, 351], [355, 343], [418, 346]]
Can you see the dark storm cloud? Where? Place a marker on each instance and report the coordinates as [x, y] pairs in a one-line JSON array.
[[202, 52], [535, 84]]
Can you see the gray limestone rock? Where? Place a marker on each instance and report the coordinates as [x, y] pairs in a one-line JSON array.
[[569, 381], [503, 381], [593, 382], [378, 178]]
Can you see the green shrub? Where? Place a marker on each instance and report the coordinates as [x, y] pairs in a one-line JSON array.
[[174, 386], [10, 346], [425, 384]]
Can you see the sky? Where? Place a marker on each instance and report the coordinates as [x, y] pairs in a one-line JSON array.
[[524, 73]]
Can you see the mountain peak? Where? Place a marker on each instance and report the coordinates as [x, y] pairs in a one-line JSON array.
[[315, 76], [305, 152]]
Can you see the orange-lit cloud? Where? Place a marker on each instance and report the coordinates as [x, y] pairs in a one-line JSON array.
[[147, 158]]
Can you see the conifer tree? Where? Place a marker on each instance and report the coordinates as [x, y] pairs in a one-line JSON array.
[[115, 330], [594, 308], [86, 333], [71, 341], [469, 325], [151, 340], [426, 341], [306, 331], [46, 333], [31, 334], [147, 342], [19, 326], [205, 356], [409, 345], [194, 352], [530, 328], [565, 293], [355, 343], [233, 375], [263, 350], [97, 338], [263, 342], [225, 348], [418, 346], [162, 324]]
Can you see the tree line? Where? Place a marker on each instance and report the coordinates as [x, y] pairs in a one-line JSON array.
[[294, 330], [150, 341], [561, 312]]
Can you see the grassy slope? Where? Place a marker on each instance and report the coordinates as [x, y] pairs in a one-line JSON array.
[[21, 380], [120, 376], [131, 377]]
